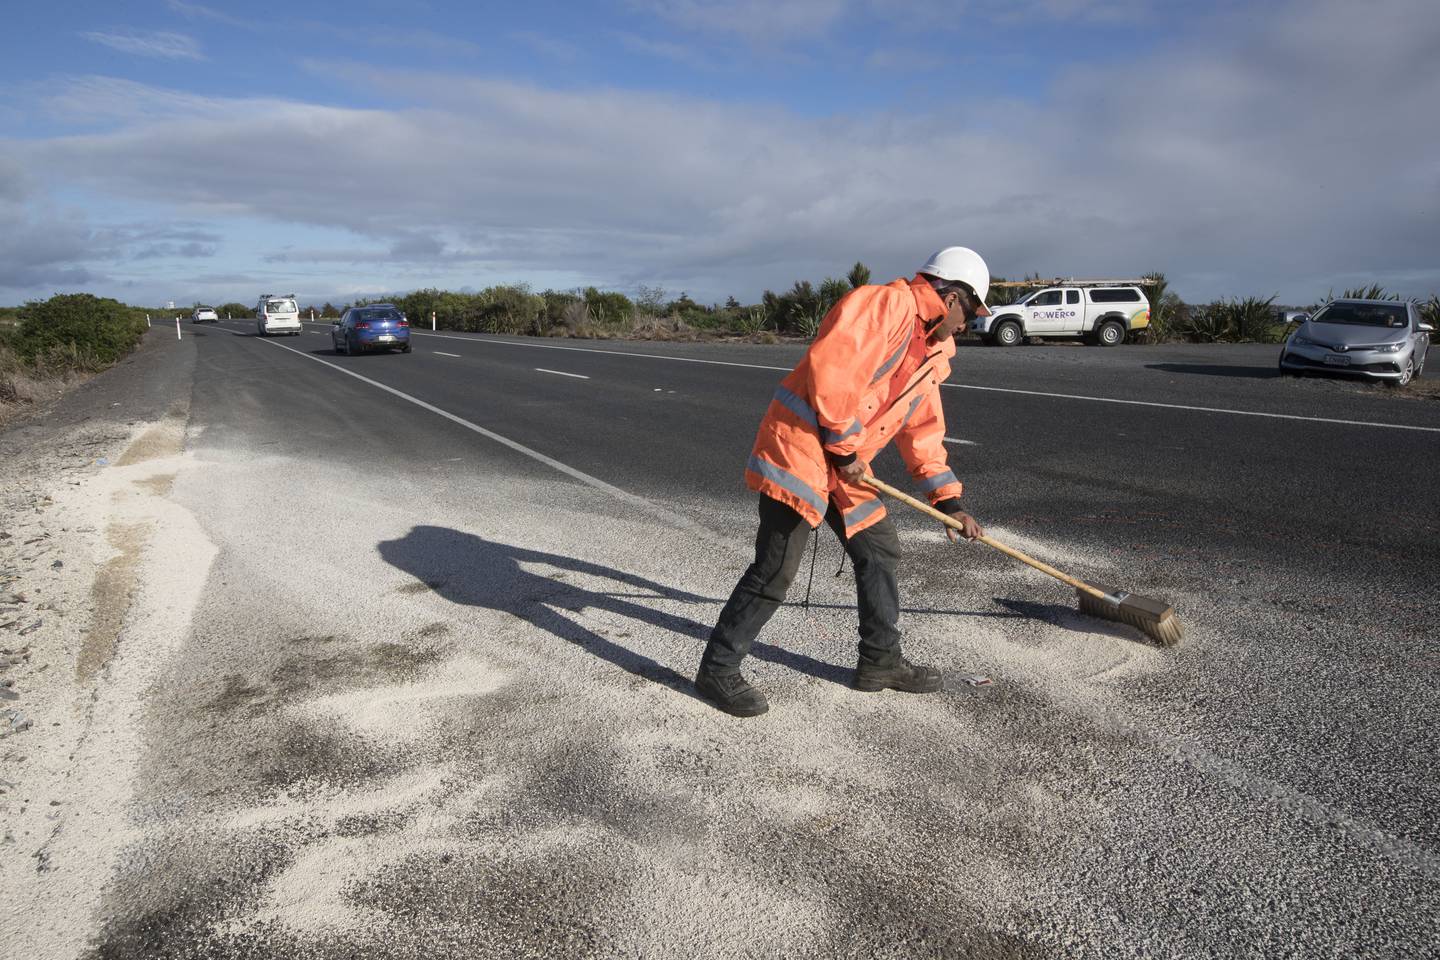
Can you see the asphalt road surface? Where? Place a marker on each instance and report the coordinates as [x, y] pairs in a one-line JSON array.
[[430, 696]]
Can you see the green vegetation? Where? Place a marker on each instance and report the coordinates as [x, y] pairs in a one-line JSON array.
[[77, 331], [47, 343], [798, 312], [238, 311]]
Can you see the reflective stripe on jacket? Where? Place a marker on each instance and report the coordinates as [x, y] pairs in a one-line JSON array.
[[870, 377]]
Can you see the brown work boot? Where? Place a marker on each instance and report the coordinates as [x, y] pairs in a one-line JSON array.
[[901, 675], [731, 693]]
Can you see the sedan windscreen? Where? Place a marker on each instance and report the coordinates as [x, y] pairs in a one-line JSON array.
[[1365, 314]]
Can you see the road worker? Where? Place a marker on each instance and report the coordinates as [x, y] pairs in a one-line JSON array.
[[872, 375]]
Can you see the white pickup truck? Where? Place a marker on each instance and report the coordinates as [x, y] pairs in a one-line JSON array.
[[1100, 312]]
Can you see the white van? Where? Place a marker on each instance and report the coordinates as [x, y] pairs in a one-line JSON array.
[[1101, 312], [277, 313]]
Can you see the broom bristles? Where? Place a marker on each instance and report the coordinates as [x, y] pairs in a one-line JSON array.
[[1154, 618]]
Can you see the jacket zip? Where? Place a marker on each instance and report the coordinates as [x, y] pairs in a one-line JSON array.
[[915, 382]]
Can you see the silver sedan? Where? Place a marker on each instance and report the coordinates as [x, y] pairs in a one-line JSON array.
[[1379, 339]]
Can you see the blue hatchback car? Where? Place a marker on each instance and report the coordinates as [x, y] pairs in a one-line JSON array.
[[373, 326]]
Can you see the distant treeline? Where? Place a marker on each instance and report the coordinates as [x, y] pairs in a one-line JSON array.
[[651, 314]]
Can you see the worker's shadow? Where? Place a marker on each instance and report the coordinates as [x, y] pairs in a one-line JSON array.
[[467, 569]]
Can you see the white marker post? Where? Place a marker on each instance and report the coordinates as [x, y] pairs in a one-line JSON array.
[[147, 321], [177, 329], [432, 320]]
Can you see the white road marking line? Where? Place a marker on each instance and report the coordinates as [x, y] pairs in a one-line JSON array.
[[968, 443], [1184, 406], [562, 373], [653, 509], [608, 353], [442, 353], [958, 386]]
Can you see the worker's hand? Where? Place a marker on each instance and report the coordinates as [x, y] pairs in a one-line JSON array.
[[972, 529], [853, 471]]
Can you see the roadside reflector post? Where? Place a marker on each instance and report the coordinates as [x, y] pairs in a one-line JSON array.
[[432, 320], [147, 321], [177, 329]]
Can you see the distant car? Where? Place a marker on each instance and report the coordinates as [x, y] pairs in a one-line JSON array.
[[1377, 339], [204, 315], [373, 326], [277, 314]]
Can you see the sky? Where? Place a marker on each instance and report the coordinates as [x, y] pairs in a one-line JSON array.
[[162, 150]]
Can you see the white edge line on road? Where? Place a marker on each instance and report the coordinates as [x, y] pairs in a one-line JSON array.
[[442, 353], [653, 509], [966, 386], [968, 443], [562, 373]]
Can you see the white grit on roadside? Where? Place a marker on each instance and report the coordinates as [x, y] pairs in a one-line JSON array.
[[147, 561]]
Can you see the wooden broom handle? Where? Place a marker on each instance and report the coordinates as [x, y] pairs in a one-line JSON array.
[[1009, 551]]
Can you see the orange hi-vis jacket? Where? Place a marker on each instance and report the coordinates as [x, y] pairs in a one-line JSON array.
[[870, 377]]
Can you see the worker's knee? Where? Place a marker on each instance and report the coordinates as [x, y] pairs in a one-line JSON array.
[[876, 544], [777, 584]]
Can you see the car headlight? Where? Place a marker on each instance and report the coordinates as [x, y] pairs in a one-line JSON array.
[[1390, 347], [1300, 341]]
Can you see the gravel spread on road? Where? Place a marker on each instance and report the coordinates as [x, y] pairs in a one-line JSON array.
[[442, 709]]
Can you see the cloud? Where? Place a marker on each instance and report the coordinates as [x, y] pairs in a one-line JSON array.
[[546, 45], [1248, 167], [756, 19], [46, 250], [660, 49], [773, 23], [196, 11], [170, 46]]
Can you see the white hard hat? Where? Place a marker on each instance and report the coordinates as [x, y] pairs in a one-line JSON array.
[[963, 264]]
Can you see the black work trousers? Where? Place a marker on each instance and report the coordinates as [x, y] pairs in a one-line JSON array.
[[779, 547]]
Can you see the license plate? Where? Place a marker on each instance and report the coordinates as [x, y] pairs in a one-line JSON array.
[[386, 336], [1336, 360]]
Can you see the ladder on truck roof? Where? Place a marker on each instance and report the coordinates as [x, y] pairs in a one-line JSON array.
[[1072, 282]]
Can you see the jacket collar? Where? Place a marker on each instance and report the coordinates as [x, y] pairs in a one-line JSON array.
[[927, 302], [929, 306]]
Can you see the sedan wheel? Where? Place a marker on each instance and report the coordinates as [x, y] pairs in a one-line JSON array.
[[1406, 375]]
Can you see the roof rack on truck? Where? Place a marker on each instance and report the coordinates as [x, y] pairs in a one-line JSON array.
[[1073, 282]]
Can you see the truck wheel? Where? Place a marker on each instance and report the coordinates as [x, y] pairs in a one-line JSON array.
[[1007, 334], [1110, 334]]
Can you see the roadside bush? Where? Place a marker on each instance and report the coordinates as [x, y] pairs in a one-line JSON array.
[[1372, 292], [1430, 313], [509, 310], [77, 331], [559, 313], [608, 308], [236, 311], [1234, 320]]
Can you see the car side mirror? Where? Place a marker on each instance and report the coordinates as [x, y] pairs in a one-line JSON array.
[[335, 322], [1297, 317], [1427, 328]]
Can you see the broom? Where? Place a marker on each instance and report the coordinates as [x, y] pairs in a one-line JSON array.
[[1154, 618]]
